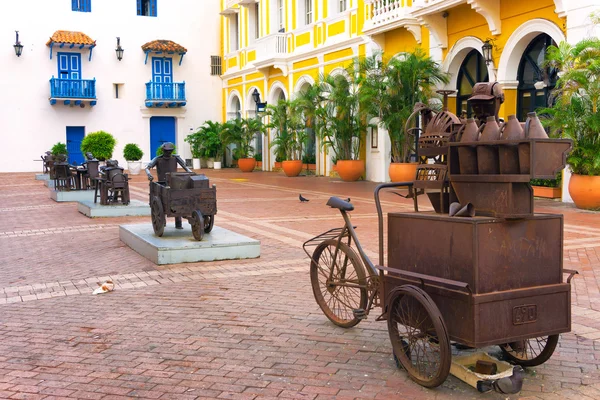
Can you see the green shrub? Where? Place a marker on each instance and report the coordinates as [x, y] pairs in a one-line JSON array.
[[132, 152], [258, 157], [101, 144], [59, 148], [159, 151]]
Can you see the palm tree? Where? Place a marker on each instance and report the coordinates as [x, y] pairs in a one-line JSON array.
[[390, 88], [575, 113], [286, 118]]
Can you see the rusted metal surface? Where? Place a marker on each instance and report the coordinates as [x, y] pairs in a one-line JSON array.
[[184, 195], [112, 184]]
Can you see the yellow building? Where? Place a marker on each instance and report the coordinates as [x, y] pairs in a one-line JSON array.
[[277, 46]]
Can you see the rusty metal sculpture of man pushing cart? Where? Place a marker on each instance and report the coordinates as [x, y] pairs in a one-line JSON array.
[[180, 195]]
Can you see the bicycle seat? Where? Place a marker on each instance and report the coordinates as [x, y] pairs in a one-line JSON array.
[[336, 202]]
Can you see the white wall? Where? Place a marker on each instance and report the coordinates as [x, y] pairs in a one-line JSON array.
[[31, 125]]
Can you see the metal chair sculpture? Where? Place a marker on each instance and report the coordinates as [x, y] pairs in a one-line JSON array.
[[89, 177], [113, 186], [63, 177]]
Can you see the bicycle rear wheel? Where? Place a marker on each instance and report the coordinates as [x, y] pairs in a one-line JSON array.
[[346, 290]]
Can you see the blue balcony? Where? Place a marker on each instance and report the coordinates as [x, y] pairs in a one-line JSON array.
[[170, 94], [72, 91]]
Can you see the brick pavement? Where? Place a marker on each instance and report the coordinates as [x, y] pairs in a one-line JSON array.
[[230, 329]]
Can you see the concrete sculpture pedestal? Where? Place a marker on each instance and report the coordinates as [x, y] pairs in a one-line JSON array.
[[49, 183], [178, 246], [93, 210], [42, 177], [72, 195]]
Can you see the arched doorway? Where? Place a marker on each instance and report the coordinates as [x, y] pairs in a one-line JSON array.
[[310, 150], [535, 81], [472, 70], [234, 111]]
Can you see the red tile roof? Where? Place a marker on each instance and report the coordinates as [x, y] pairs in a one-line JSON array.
[[70, 37], [168, 46]]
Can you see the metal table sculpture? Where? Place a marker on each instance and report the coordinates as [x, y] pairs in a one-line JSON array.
[[180, 195], [491, 279], [112, 184]]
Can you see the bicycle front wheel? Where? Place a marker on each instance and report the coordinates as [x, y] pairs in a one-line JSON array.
[[338, 282]]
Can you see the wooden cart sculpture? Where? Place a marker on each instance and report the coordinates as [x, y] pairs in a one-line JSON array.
[[184, 195], [491, 279]]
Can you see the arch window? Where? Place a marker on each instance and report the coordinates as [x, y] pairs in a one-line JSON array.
[[236, 109], [535, 81], [472, 70]]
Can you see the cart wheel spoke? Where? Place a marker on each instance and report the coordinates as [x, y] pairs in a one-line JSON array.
[[419, 336], [158, 216], [329, 273], [530, 352]]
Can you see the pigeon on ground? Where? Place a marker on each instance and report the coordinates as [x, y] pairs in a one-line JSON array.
[[348, 200], [302, 199], [511, 384]]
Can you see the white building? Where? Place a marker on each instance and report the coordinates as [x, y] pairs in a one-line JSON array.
[[117, 102]]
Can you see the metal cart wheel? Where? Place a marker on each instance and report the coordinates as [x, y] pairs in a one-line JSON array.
[[197, 222], [346, 290], [158, 217], [419, 336], [530, 352], [209, 220]]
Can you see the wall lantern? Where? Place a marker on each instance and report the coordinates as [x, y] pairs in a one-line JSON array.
[[260, 107], [18, 46], [119, 50], [487, 51]]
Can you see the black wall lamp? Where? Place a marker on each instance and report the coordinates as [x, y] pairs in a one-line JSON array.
[[119, 50], [260, 107], [486, 49], [18, 46]]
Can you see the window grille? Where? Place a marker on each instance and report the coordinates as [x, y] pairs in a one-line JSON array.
[[342, 5], [309, 12], [215, 65], [81, 5], [146, 8]]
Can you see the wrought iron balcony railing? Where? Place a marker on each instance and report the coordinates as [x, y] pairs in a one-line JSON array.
[[161, 93], [72, 88]]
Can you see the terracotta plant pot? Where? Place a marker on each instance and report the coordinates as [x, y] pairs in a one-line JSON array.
[[585, 191], [277, 165], [350, 170], [246, 164], [292, 167], [547, 192], [403, 172]]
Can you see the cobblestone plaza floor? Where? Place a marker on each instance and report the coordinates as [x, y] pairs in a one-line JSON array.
[[245, 329]]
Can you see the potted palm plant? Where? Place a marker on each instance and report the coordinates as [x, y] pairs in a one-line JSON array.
[[194, 140], [390, 88], [241, 132], [286, 118], [332, 108], [133, 154], [575, 115], [208, 142]]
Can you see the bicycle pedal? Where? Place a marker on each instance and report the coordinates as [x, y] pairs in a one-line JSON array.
[[359, 313]]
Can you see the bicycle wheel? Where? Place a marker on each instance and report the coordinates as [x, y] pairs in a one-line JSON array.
[[419, 336], [530, 352], [336, 286]]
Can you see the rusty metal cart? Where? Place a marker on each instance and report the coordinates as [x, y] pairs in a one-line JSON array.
[[184, 195], [491, 279]]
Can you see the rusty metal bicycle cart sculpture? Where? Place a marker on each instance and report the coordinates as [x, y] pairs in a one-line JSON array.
[[491, 279], [112, 185], [184, 195]]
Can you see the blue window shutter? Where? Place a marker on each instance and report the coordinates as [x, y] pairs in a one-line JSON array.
[[88, 5], [153, 7], [75, 5], [139, 7]]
